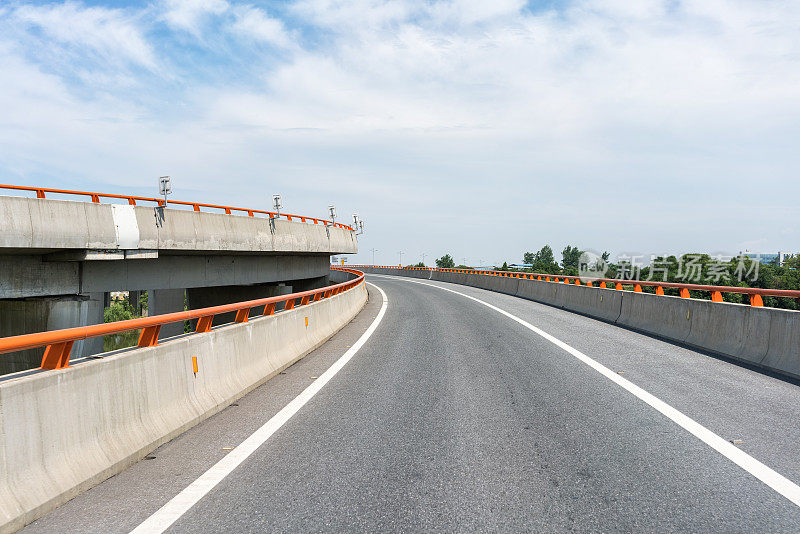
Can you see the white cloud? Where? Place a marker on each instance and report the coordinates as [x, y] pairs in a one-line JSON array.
[[256, 24], [110, 33], [353, 15], [635, 126], [190, 15]]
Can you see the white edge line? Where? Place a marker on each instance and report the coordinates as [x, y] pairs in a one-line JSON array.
[[165, 516], [765, 474]]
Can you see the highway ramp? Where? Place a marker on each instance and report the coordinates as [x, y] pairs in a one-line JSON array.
[[452, 416]]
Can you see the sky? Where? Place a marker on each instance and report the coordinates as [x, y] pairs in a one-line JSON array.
[[480, 129]]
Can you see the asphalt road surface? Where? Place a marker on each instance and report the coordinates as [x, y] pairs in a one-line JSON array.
[[453, 416]]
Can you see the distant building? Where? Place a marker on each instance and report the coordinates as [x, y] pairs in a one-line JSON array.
[[768, 258]]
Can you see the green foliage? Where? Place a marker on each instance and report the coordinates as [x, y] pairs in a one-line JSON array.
[[542, 261], [420, 264], [462, 266], [122, 340], [445, 262], [570, 259], [119, 311]]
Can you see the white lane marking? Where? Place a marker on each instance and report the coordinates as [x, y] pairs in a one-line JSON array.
[[765, 474], [163, 518]]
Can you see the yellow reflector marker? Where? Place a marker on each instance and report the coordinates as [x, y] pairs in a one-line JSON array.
[[194, 365]]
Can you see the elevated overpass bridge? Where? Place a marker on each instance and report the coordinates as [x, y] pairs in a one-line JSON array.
[[418, 400], [63, 252]]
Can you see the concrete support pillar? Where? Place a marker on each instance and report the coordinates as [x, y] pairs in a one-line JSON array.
[[205, 297], [27, 316], [161, 301]]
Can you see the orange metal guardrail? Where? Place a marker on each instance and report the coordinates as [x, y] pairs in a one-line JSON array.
[[59, 342], [755, 294], [132, 200]]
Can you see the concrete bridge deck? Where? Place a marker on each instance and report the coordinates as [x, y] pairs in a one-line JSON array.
[[60, 260], [58, 247]]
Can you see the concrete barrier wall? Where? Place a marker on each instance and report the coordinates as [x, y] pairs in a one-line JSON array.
[[31, 224], [62, 432], [764, 337], [669, 317], [337, 277]]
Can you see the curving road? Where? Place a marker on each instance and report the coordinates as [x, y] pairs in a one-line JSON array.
[[456, 416]]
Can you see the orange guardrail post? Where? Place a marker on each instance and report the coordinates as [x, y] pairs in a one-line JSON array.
[[637, 288], [57, 356], [618, 286], [204, 324], [149, 336], [716, 296], [242, 315], [659, 290], [685, 293], [755, 300]]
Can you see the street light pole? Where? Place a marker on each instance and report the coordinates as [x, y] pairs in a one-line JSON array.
[[401, 258], [374, 250]]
